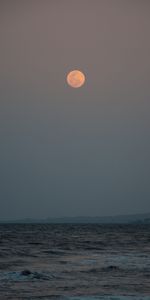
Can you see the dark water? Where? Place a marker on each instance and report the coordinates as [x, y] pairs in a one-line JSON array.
[[75, 262]]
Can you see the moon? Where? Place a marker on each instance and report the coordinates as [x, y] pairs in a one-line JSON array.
[[75, 78]]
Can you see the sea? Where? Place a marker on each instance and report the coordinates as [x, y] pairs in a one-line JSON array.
[[75, 261]]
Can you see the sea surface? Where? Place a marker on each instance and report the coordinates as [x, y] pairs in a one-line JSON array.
[[74, 261]]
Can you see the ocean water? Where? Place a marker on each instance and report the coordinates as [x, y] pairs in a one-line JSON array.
[[74, 261]]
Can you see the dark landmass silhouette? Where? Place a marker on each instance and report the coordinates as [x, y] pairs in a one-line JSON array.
[[118, 219]]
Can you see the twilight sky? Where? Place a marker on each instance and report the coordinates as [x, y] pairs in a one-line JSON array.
[[65, 151]]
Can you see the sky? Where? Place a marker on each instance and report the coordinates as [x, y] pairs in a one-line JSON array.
[[66, 151]]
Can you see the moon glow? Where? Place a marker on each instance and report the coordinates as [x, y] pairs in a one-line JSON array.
[[75, 78]]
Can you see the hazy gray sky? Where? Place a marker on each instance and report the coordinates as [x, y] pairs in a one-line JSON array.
[[65, 151]]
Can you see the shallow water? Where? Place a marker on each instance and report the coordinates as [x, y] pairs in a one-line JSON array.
[[75, 262]]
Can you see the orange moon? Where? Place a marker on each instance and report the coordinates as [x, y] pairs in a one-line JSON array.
[[75, 78]]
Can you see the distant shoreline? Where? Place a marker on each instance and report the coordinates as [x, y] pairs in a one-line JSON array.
[[118, 219]]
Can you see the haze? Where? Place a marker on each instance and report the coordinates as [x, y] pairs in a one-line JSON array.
[[73, 152]]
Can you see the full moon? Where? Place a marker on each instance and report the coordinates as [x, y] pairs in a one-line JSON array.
[[75, 78]]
